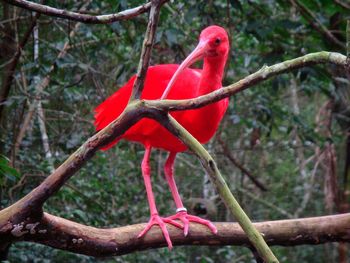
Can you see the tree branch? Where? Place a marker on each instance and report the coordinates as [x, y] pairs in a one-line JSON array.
[[146, 49], [40, 86], [260, 200], [67, 235], [348, 39], [342, 4], [236, 163], [222, 188], [316, 24], [101, 19], [11, 67], [261, 75]]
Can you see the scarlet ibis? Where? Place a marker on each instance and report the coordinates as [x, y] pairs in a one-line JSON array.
[[174, 82]]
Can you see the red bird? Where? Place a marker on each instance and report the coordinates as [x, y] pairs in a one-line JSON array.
[[174, 82]]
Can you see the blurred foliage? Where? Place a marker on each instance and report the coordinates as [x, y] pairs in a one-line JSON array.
[[272, 133]]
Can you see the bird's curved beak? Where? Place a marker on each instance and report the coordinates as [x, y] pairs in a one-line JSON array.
[[197, 54]]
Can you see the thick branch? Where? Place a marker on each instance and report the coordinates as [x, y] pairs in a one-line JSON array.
[[101, 19], [67, 235], [261, 75]]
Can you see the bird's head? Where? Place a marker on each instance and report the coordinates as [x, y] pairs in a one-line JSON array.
[[213, 46], [213, 42]]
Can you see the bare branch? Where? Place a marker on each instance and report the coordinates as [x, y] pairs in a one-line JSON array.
[[348, 39], [146, 49], [342, 4], [261, 75], [40, 86], [101, 19], [260, 200], [67, 235], [45, 137], [11, 67], [233, 160], [315, 23]]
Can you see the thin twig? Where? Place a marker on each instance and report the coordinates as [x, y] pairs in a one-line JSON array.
[[229, 155], [342, 4], [101, 19], [308, 15], [263, 202], [38, 90], [45, 137], [11, 67], [348, 39], [15, 19], [308, 187], [41, 85]]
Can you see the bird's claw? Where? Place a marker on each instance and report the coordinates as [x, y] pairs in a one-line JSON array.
[[186, 219], [183, 217], [157, 220]]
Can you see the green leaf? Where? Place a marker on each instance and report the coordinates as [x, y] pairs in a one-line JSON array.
[[7, 171]]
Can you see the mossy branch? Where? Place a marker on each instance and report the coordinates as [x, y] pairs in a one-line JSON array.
[[266, 72], [230, 201]]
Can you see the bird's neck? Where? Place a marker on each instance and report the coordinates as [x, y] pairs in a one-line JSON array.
[[213, 70]]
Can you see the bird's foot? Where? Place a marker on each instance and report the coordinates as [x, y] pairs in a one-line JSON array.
[[186, 219], [157, 220]]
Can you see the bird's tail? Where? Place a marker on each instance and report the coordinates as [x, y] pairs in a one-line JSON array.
[[111, 144], [102, 120]]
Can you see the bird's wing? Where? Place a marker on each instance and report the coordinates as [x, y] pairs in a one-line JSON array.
[[156, 81], [113, 106]]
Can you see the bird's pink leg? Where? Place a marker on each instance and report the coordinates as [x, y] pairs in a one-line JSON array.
[[155, 218], [181, 211]]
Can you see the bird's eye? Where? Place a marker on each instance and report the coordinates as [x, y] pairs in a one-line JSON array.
[[217, 41]]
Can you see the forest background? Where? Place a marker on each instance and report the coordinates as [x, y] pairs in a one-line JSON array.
[[289, 133]]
